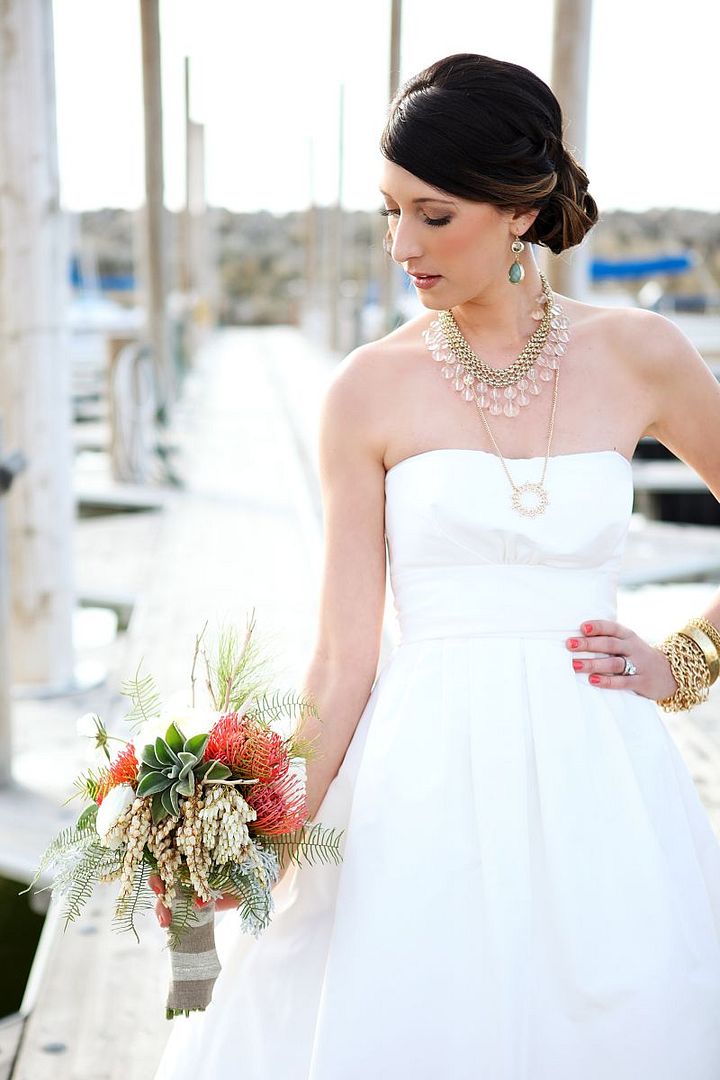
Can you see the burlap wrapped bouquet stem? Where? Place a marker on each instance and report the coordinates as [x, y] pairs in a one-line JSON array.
[[194, 965]]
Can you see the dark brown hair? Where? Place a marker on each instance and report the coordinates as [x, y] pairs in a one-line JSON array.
[[492, 131]]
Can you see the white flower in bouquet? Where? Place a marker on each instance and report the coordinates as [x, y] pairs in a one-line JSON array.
[[191, 721], [188, 719], [111, 808]]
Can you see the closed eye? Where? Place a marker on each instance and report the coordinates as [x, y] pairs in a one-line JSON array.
[[428, 221]]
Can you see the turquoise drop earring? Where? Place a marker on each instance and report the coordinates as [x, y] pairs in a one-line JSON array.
[[517, 271]]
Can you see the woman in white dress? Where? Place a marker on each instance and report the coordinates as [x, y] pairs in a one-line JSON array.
[[530, 885]]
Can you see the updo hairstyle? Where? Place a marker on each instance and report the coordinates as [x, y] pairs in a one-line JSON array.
[[491, 131]]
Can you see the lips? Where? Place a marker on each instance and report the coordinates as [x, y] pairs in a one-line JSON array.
[[425, 281]]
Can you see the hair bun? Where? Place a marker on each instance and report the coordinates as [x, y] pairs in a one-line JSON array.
[[570, 211]]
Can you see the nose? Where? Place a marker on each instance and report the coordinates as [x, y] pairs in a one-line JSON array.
[[405, 241]]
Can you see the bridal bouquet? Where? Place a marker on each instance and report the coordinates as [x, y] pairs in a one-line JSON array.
[[211, 800]]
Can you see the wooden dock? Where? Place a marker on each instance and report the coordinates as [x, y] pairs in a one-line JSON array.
[[245, 532]]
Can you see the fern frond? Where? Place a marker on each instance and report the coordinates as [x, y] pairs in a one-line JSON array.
[[183, 909], [67, 840], [270, 708], [316, 843], [255, 900], [84, 878], [140, 898], [110, 862], [144, 696], [86, 784]]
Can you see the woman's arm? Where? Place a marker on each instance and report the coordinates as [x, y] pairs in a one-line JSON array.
[[684, 403], [687, 420], [352, 592]]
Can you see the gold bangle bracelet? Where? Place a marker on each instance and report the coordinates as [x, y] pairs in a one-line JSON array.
[[712, 631], [689, 669], [711, 654]]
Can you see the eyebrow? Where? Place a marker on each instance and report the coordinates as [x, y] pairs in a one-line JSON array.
[[425, 198]]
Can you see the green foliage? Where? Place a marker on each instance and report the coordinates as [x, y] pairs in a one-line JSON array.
[[67, 841], [252, 891], [171, 768], [239, 669], [183, 908], [270, 708], [88, 817], [316, 843], [86, 784], [78, 881], [145, 699]]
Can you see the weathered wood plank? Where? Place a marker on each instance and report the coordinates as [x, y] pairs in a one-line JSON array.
[[11, 1029], [97, 1008]]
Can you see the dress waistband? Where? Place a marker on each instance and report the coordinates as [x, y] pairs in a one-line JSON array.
[[500, 600]]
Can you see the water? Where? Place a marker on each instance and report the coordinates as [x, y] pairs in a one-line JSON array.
[[20, 929]]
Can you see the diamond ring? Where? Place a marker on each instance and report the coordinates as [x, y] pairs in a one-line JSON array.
[[629, 668]]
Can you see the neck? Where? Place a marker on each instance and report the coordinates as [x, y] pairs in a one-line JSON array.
[[501, 316]]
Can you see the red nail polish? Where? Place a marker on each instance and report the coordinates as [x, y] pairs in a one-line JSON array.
[[573, 643], [577, 664], [595, 679], [587, 628]]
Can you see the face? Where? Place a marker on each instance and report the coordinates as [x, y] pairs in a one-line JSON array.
[[465, 243]]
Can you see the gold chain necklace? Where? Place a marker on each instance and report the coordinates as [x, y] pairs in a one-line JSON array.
[[487, 386], [507, 376], [501, 390], [532, 488]]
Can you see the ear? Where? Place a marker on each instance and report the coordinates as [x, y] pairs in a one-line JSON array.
[[521, 220]]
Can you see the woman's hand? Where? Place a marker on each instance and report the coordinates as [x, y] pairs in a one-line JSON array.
[[162, 911], [654, 678]]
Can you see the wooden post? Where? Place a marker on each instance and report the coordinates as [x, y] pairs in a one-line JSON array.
[[202, 272], [336, 245], [311, 237], [5, 712], [34, 364], [155, 232], [132, 410], [569, 272], [387, 266], [185, 257]]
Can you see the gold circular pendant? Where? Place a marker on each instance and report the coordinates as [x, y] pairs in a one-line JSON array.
[[538, 498]]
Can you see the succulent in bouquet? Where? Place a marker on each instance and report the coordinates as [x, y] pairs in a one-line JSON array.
[[209, 801]]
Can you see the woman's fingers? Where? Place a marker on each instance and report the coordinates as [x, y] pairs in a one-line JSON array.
[[163, 913], [226, 901], [157, 884]]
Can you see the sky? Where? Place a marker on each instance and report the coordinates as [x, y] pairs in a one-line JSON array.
[[266, 84]]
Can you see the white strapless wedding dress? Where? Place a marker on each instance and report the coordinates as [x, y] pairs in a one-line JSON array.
[[530, 887]]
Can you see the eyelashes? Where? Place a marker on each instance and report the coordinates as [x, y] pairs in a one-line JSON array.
[[428, 221]]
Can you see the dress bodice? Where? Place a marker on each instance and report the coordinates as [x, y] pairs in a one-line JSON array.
[[463, 561]]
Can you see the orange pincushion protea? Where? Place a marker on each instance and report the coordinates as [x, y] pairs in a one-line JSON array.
[[227, 741], [265, 756], [124, 770], [255, 752], [281, 805]]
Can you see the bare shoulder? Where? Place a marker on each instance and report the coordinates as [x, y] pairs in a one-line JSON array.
[[355, 405], [642, 338], [680, 389]]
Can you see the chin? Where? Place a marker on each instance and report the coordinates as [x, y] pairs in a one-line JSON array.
[[431, 304]]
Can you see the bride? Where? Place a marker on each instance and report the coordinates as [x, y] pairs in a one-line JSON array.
[[530, 884]]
